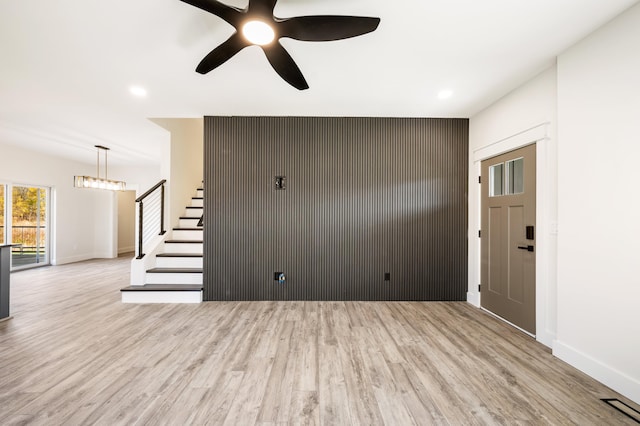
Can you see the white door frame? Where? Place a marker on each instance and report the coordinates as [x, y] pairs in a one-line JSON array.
[[544, 228]]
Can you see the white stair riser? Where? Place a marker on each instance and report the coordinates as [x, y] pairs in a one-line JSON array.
[[173, 278], [161, 297], [183, 248], [189, 223], [200, 193], [179, 262], [190, 235], [197, 203], [193, 213]]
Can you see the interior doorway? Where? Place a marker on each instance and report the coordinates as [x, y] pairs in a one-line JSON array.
[[126, 221], [508, 249]]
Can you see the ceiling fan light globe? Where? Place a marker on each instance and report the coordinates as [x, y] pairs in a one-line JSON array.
[[258, 32]]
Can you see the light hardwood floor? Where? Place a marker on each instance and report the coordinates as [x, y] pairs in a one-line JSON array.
[[73, 354]]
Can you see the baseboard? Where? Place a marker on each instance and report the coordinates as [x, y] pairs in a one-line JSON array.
[[122, 250], [474, 299], [105, 255], [616, 380], [71, 259], [546, 338]]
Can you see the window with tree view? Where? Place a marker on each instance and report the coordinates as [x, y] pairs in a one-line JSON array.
[[29, 230]]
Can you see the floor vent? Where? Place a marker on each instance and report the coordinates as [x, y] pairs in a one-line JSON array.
[[625, 409]]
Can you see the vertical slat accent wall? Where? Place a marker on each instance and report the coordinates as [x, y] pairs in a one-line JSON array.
[[363, 197]]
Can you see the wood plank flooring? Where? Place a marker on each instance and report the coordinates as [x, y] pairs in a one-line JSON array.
[[74, 355]]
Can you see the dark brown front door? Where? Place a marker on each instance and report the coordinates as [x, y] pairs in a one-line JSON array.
[[508, 249]]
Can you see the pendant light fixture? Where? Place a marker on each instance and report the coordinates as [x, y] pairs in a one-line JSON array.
[[99, 182]]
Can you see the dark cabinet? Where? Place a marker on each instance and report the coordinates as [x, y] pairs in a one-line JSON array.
[[5, 266]]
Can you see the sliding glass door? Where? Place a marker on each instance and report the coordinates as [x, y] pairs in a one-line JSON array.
[[29, 227]]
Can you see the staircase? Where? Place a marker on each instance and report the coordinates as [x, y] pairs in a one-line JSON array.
[[176, 276]]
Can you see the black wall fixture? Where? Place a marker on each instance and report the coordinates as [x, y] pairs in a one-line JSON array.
[[374, 208]]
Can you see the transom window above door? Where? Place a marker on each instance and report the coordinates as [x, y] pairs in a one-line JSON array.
[[506, 178]]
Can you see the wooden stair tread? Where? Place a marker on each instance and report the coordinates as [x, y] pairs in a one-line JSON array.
[[164, 287], [175, 270]]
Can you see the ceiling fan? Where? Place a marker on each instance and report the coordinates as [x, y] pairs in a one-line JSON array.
[[256, 25]]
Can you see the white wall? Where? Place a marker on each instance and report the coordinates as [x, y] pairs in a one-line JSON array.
[[599, 208], [184, 162], [74, 212], [138, 178], [524, 116]]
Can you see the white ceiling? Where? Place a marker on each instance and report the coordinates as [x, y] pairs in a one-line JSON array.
[[66, 65]]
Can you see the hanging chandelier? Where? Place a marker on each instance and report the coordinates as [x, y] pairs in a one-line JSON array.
[[99, 182]]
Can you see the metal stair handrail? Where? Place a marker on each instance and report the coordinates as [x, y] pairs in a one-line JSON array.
[[157, 212]]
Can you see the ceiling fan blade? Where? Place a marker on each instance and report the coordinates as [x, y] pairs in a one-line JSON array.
[[229, 13], [285, 66], [262, 7], [222, 53], [326, 28]]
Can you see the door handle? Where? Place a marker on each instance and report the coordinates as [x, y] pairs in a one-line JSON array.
[[527, 248]]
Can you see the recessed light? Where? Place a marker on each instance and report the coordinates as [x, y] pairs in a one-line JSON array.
[[138, 91], [257, 32], [445, 94]]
